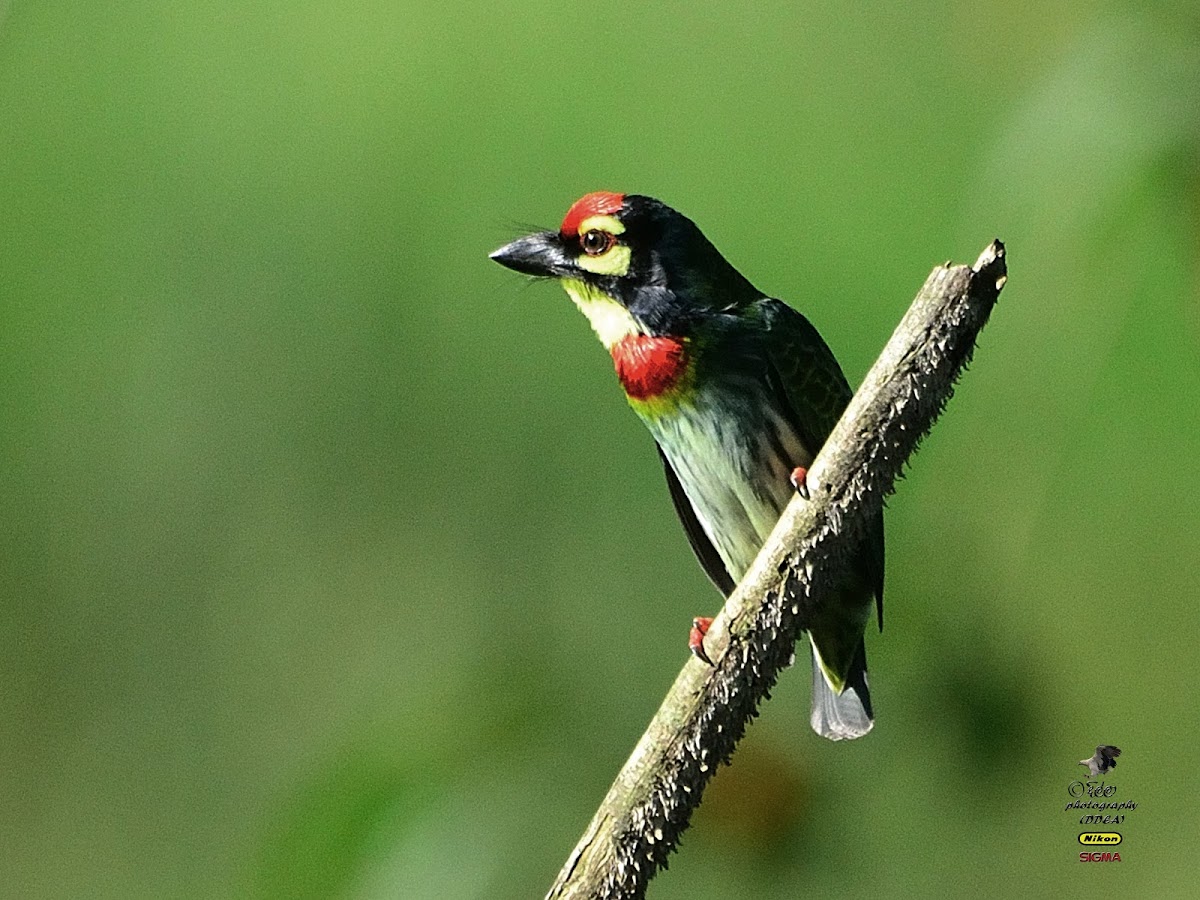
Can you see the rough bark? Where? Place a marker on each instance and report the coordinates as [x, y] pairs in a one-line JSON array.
[[706, 711]]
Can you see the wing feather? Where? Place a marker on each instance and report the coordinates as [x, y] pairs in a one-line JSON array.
[[813, 391]]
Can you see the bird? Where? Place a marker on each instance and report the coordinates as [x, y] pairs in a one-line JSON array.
[[1105, 758], [739, 392]]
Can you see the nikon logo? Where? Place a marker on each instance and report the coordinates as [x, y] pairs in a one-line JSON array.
[[1100, 837]]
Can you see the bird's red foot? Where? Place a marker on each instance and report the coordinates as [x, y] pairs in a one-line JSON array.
[[696, 638], [799, 481]]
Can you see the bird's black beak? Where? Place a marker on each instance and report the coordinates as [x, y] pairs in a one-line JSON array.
[[540, 254]]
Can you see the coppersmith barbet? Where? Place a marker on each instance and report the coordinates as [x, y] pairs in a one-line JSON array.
[[739, 392]]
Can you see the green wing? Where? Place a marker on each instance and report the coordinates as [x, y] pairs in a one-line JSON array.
[[811, 388]]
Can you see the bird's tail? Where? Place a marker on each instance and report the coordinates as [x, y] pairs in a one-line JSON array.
[[846, 715]]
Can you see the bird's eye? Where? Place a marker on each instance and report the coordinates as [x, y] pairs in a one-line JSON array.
[[595, 242]]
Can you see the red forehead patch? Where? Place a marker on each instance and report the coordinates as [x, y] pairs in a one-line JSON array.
[[598, 203]]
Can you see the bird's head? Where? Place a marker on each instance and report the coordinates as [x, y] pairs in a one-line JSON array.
[[632, 264]]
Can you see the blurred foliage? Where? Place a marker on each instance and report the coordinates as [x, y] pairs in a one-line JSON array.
[[333, 565]]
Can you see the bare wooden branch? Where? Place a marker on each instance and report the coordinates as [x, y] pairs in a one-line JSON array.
[[707, 709]]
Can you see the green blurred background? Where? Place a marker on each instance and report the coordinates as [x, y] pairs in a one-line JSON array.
[[333, 564]]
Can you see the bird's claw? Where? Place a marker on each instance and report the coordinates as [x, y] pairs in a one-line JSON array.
[[696, 638], [799, 480]]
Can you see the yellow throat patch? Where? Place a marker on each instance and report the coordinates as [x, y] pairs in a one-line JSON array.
[[609, 319]]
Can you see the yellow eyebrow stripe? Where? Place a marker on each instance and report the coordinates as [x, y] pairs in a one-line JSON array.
[[611, 224]]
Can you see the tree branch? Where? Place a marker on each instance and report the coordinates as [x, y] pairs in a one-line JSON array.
[[706, 711]]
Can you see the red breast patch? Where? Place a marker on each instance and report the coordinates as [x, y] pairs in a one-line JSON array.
[[598, 203], [649, 366]]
